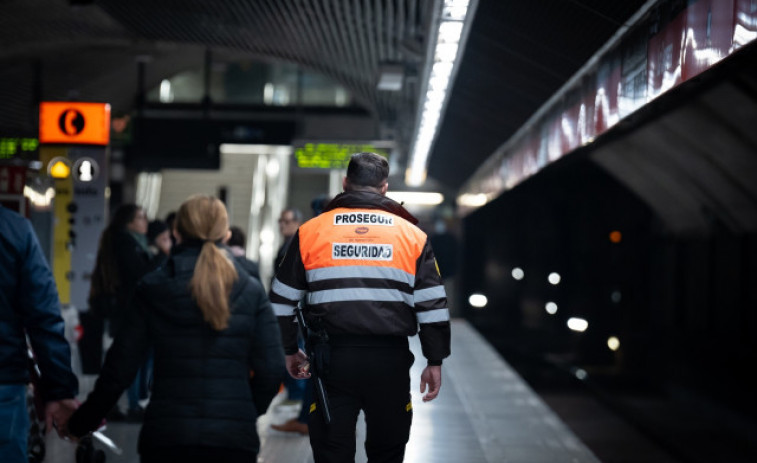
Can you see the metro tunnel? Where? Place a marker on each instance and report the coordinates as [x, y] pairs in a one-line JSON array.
[[586, 173]]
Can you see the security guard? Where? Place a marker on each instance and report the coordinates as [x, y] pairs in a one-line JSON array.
[[370, 280]]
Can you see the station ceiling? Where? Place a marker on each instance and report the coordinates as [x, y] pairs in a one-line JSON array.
[[518, 54]]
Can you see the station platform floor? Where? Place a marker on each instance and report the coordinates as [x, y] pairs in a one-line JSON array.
[[485, 413]]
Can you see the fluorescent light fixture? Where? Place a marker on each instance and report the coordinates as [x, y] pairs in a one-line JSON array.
[[417, 198], [577, 324], [441, 63]]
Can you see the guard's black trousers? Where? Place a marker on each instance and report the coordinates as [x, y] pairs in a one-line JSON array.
[[372, 375]]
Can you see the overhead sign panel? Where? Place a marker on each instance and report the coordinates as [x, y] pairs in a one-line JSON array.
[[74, 123]]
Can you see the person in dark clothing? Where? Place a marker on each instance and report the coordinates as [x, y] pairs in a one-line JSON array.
[[237, 243], [29, 306], [159, 239], [170, 219], [209, 325], [302, 387], [123, 257], [370, 280], [289, 220]]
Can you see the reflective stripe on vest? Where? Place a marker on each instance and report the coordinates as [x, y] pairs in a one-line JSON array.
[[359, 271]]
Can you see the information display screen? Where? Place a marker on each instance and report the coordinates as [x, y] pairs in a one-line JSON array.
[[318, 155]]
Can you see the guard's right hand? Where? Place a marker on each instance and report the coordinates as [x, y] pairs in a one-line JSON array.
[[298, 366], [431, 378]]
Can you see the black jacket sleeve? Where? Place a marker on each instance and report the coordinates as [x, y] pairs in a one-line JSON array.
[[287, 289], [266, 356], [40, 309], [124, 358], [431, 308]]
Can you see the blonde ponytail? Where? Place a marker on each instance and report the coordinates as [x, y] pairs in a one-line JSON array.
[[205, 218]]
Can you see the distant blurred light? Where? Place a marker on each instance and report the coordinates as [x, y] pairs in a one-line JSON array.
[[616, 236], [518, 273], [613, 343], [266, 235], [577, 324], [477, 300], [551, 308], [554, 278], [165, 94], [272, 168], [268, 90], [39, 199], [615, 296], [580, 373], [416, 197], [472, 200]]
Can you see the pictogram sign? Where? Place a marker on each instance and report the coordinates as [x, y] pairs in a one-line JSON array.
[[74, 123]]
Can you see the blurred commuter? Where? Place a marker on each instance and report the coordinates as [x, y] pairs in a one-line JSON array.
[[300, 423], [209, 325], [170, 219], [237, 243], [159, 238], [29, 305], [289, 220], [123, 258], [370, 279]]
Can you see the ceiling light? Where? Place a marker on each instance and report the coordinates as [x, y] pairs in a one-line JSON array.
[[390, 78], [440, 67]]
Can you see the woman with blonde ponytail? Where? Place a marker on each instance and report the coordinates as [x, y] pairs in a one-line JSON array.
[[209, 324], [203, 218]]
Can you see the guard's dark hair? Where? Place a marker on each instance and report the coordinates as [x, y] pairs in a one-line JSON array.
[[238, 237], [367, 170], [105, 278]]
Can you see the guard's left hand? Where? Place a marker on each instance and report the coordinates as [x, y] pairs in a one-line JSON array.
[[298, 366]]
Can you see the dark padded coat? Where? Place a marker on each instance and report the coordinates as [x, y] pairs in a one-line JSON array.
[[29, 306], [202, 393]]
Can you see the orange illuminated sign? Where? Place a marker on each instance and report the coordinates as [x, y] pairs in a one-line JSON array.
[[74, 123]]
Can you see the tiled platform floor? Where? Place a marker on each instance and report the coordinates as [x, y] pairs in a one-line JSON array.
[[485, 413]]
